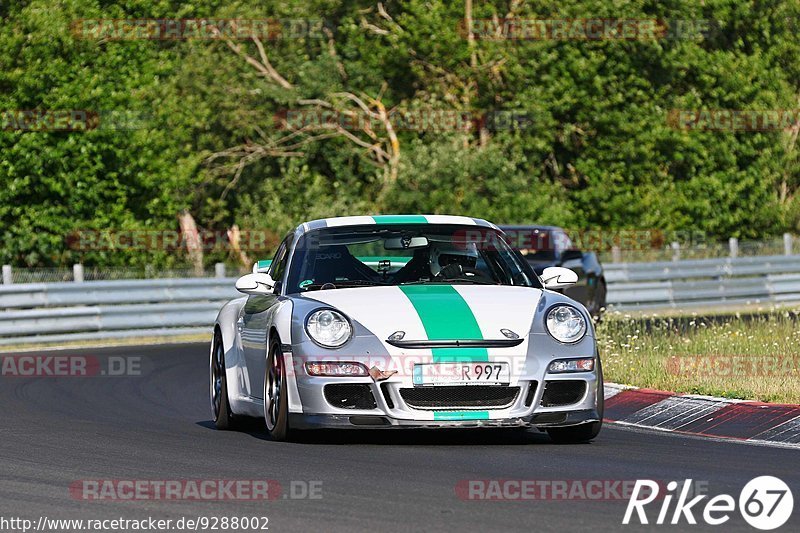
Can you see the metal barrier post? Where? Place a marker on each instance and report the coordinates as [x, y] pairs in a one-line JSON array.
[[733, 245], [77, 273], [7, 279], [219, 270]]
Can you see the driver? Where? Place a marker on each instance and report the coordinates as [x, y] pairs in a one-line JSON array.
[[444, 260], [448, 261]]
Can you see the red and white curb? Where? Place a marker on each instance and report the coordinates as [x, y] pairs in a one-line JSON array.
[[707, 416]]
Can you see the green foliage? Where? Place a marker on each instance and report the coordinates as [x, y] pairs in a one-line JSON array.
[[597, 150]]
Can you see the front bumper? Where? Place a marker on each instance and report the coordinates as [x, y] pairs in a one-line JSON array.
[[530, 407], [371, 421], [399, 401]]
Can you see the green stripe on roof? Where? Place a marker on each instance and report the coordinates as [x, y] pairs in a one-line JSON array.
[[400, 219], [445, 315], [461, 415]]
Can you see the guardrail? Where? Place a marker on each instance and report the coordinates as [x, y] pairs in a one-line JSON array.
[[61, 312], [727, 282]]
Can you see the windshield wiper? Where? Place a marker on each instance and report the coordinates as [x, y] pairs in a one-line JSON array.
[[450, 281], [344, 284], [473, 281]]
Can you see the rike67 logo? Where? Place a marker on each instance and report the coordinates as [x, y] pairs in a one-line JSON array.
[[765, 503]]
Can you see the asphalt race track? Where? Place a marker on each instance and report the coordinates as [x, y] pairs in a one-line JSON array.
[[156, 426]]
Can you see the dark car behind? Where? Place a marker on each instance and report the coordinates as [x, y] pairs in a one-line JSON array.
[[546, 246]]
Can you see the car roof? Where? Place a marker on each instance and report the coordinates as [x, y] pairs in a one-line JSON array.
[[361, 220], [505, 227]]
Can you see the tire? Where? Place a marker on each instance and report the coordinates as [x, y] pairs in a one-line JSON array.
[[276, 401], [583, 432], [224, 419], [598, 300]]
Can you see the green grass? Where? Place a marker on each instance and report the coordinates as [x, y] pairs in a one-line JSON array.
[[754, 357]]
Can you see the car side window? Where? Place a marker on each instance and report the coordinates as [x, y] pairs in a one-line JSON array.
[[562, 241], [278, 267]]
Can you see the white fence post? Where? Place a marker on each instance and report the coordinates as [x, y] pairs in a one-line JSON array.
[[77, 273], [733, 245], [219, 270], [787, 244], [616, 254], [7, 279]]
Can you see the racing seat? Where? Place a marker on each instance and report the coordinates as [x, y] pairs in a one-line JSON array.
[[336, 263], [416, 269]]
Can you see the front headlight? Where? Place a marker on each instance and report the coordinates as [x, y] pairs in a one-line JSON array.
[[336, 369], [566, 324], [328, 328], [560, 366]]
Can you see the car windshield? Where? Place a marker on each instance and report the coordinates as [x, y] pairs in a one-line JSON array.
[[375, 255]]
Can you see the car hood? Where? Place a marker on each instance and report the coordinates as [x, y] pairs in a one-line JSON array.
[[437, 311]]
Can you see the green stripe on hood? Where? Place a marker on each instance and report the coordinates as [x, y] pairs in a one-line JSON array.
[[400, 219], [445, 315]]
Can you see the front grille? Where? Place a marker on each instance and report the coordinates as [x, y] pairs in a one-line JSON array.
[[563, 392], [459, 396], [352, 396]]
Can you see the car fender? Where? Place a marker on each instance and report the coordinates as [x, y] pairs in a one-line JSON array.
[[234, 361], [282, 324]]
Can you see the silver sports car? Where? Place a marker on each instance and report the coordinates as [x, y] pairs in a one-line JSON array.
[[405, 321]]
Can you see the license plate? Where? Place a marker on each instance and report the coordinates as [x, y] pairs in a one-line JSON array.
[[462, 374]]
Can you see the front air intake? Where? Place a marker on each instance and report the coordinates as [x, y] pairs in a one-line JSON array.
[[563, 392], [350, 396]]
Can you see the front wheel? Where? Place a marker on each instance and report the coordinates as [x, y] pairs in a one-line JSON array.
[[224, 418], [276, 402], [597, 301]]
